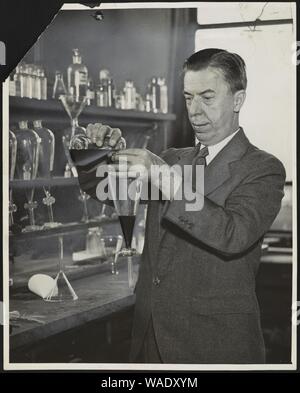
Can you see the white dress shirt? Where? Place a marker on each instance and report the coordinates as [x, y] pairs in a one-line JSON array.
[[215, 149], [212, 152]]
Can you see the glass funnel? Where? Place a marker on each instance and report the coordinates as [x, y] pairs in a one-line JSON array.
[[62, 290], [73, 109], [125, 189]]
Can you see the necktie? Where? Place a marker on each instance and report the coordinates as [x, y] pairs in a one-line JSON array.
[[199, 159]]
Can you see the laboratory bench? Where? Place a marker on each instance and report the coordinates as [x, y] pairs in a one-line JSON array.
[[97, 327], [94, 328]]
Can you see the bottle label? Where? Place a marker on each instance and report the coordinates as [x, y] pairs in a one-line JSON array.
[[81, 80]]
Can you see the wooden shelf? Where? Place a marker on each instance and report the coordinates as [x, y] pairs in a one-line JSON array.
[[63, 229], [30, 109], [41, 182]]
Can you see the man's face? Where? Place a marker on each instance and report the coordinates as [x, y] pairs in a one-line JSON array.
[[210, 105]]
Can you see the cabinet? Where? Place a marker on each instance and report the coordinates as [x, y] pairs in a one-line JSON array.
[[140, 129]]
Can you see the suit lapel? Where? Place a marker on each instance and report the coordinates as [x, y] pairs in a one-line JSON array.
[[218, 171], [215, 174]]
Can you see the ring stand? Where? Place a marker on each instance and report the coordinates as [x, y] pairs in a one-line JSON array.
[[62, 289]]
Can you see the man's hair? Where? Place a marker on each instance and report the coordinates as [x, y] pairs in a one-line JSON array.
[[231, 65]]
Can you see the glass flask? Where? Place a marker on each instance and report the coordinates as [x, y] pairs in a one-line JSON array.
[[62, 290], [73, 109], [59, 87], [28, 144], [77, 77], [113, 245], [125, 189], [46, 161], [94, 244], [46, 150]]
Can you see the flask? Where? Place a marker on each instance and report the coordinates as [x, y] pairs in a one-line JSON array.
[[94, 242], [59, 87], [77, 76], [28, 143], [46, 149]]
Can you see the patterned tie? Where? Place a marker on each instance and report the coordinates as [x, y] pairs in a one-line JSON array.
[[199, 159]]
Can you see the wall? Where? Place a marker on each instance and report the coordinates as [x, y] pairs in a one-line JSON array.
[[269, 112], [132, 44]]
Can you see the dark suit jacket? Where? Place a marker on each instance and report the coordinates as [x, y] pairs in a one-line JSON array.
[[197, 275]]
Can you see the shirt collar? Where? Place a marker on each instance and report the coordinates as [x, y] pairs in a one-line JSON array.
[[213, 150]]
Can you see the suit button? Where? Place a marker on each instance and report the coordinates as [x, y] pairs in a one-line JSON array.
[[156, 281]]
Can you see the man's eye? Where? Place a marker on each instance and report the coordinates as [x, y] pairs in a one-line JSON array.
[[207, 98]]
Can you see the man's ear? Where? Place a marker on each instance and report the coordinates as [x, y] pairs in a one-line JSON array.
[[238, 100]]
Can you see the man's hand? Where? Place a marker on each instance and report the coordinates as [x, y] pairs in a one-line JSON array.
[[103, 136]]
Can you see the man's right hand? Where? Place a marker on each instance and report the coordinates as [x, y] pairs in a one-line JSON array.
[[103, 135]]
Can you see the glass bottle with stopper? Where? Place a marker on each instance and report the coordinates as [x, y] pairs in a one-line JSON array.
[[77, 77], [28, 144], [45, 168]]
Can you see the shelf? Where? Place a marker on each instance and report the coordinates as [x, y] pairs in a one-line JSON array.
[[63, 229], [32, 109], [38, 183]]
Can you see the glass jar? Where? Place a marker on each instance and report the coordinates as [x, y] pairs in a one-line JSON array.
[[94, 244]]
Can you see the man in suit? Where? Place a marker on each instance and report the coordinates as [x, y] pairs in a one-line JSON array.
[[195, 294]]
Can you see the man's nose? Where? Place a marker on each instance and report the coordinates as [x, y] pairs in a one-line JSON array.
[[196, 107]]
